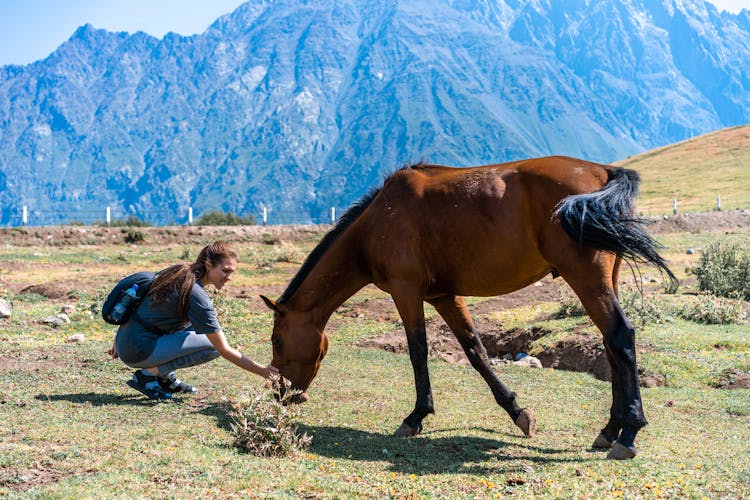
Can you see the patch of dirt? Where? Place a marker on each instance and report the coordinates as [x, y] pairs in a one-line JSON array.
[[733, 379], [36, 360], [579, 352], [165, 235], [26, 479], [700, 222], [52, 290]]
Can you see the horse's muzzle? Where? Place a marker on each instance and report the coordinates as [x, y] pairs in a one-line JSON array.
[[288, 394]]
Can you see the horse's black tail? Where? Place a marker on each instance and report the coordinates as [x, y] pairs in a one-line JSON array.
[[606, 220]]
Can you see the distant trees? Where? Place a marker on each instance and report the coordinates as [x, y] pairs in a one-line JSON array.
[[219, 218]]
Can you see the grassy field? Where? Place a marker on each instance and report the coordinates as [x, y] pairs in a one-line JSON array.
[[696, 172], [70, 427]]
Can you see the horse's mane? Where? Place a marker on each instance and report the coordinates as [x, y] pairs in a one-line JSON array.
[[346, 220]]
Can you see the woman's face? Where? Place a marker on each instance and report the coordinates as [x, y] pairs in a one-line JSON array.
[[218, 274]]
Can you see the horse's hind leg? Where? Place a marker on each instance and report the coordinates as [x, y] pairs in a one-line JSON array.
[[456, 315], [592, 282]]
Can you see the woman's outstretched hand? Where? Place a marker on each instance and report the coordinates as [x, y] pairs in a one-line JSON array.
[[271, 373]]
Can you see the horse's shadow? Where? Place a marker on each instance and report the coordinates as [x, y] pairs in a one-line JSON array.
[[433, 452]]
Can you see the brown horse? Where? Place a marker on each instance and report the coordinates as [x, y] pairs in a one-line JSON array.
[[434, 234]]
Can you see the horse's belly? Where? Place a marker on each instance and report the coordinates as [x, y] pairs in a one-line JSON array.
[[488, 280]]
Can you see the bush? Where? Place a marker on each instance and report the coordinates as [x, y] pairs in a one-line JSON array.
[[133, 235], [268, 428], [639, 310], [713, 311], [219, 218], [570, 305], [131, 221], [269, 239], [724, 270]]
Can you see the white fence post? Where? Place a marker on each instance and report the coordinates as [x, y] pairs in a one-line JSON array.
[[109, 216], [333, 215], [25, 216], [265, 216], [190, 216], [718, 202], [674, 206]]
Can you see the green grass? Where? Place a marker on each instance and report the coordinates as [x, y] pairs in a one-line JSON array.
[[70, 427], [695, 172]]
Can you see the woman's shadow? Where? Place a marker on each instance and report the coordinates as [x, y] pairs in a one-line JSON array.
[[99, 399]]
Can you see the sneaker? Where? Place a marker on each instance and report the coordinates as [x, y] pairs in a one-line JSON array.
[[171, 383], [148, 385]]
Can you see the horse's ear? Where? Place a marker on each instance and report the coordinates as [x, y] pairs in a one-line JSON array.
[[271, 304]]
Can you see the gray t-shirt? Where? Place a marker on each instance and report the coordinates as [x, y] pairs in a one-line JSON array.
[[135, 342]]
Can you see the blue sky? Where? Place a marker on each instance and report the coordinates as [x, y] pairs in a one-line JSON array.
[[32, 29]]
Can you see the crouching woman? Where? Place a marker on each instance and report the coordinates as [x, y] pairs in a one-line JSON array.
[[176, 326]]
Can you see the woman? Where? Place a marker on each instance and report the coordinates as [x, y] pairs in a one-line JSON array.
[[176, 326]]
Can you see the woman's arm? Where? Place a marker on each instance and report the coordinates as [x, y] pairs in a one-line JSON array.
[[229, 353]]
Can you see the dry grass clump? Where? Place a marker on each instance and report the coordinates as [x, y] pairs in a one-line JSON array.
[[266, 427]]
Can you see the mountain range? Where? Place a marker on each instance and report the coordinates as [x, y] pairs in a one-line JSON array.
[[297, 106]]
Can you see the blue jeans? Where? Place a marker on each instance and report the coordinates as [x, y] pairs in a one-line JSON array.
[[178, 350]]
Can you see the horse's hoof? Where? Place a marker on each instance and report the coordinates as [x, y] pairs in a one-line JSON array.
[[621, 452], [526, 422], [602, 442], [406, 430]]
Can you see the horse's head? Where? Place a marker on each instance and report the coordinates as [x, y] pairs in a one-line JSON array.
[[298, 347]]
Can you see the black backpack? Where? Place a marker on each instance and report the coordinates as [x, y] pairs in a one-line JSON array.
[[143, 280]]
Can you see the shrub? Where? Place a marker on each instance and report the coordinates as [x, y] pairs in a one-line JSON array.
[[269, 239], [724, 270], [713, 311], [133, 235], [219, 218], [639, 310], [570, 305], [266, 427], [131, 221]]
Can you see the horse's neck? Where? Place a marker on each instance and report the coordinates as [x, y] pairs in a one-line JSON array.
[[334, 279]]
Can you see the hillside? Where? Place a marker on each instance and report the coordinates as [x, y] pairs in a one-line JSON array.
[[696, 172]]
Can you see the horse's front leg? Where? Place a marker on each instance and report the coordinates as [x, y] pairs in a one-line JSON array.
[[412, 314], [456, 315]]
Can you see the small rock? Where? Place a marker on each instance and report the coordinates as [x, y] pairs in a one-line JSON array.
[[68, 309], [690, 251], [5, 309], [57, 320], [53, 321], [76, 338], [529, 361]]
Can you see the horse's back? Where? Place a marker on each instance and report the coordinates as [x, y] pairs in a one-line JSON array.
[[473, 231], [492, 189]]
